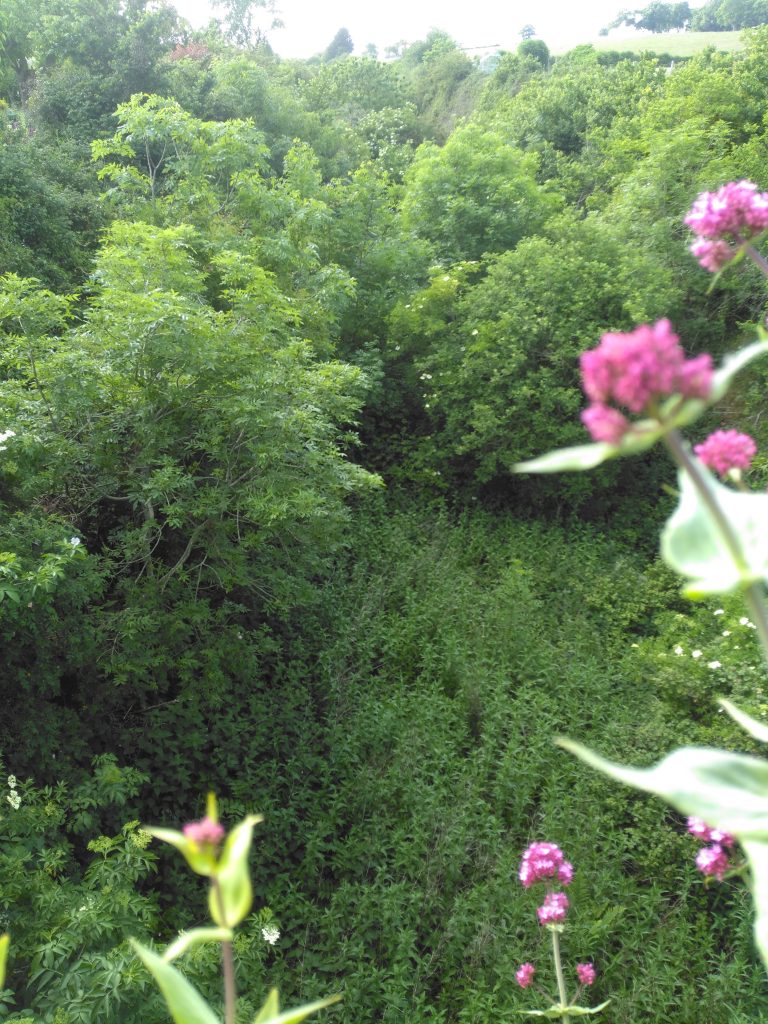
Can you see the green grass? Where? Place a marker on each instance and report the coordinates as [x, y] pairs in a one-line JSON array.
[[677, 44]]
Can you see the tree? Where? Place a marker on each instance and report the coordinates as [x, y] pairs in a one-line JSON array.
[[527, 32], [239, 20], [339, 46], [537, 49], [477, 194], [656, 17]]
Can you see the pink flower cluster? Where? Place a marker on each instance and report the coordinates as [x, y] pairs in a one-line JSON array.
[[726, 450], [205, 832], [733, 214], [542, 861], [586, 973], [633, 370], [711, 860], [524, 975]]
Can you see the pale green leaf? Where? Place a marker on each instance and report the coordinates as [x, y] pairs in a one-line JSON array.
[[557, 1012], [201, 860], [4, 942], [185, 1003], [270, 1009], [729, 791], [230, 898], [693, 545], [583, 456], [758, 730], [757, 855], [187, 940], [731, 366], [299, 1013]]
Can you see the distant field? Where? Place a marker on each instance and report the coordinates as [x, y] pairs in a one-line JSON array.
[[678, 44]]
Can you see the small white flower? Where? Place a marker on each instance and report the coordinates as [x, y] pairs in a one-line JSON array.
[[714, 664], [12, 782], [695, 654], [726, 632], [475, 332], [751, 625], [14, 800], [74, 541], [678, 649], [447, 277], [719, 611], [270, 934], [743, 621], [634, 645]]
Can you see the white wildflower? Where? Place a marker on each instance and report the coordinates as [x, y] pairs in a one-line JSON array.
[[14, 800], [270, 934], [726, 632], [696, 654], [743, 621], [74, 541], [719, 611], [714, 664], [678, 649], [12, 782]]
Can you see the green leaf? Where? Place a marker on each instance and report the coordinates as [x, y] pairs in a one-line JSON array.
[[298, 1014], [4, 942], [231, 895], [270, 1009], [583, 456], [729, 791], [758, 730], [187, 940], [185, 1003], [558, 1011], [201, 860], [722, 378], [757, 855], [693, 544]]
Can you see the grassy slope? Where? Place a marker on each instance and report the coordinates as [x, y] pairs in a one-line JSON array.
[[678, 44]]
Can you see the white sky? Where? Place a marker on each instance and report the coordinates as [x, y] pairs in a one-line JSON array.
[[310, 25]]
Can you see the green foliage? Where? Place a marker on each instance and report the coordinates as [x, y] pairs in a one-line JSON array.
[[475, 195], [339, 46], [69, 922], [656, 17]]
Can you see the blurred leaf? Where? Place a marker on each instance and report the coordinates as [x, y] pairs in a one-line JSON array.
[[186, 1005], [293, 1016], [194, 938], [693, 545], [758, 730], [4, 942], [231, 895], [726, 790], [558, 1012]]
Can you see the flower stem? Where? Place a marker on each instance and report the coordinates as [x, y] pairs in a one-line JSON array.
[[754, 595], [559, 972], [227, 963], [757, 258]]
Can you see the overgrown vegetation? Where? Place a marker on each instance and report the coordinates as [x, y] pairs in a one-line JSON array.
[[273, 334]]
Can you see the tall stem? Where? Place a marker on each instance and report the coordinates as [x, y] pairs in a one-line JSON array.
[[227, 963], [559, 972], [757, 258], [754, 595]]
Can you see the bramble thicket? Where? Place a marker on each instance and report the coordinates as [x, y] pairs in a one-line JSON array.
[[277, 338]]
